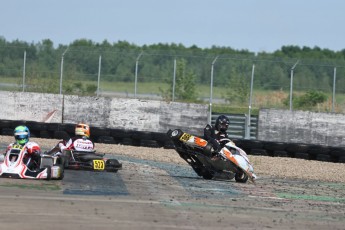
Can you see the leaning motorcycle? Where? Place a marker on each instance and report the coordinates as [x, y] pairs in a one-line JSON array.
[[231, 162], [17, 164]]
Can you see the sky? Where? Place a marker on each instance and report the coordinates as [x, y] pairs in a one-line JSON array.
[[253, 25]]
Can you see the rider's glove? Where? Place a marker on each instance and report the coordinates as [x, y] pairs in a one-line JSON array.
[[57, 154]]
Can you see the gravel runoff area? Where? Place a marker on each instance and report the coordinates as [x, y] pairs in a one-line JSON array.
[[279, 167]]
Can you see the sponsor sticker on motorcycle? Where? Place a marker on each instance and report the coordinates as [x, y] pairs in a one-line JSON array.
[[185, 137], [98, 164]]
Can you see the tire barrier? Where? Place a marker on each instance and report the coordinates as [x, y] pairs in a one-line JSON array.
[[305, 151], [293, 150]]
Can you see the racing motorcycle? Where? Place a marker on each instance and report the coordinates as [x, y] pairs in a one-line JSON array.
[[17, 164], [231, 162], [80, 160]]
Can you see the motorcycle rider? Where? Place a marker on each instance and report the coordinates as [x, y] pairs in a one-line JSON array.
[[214, 134], [81, 141], [22, 135]]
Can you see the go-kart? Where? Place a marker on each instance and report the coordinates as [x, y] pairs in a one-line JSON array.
[[231, 161], [89, 161], [17, 164], [80, 160]]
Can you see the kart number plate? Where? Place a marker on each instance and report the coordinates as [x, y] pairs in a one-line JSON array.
[[185, 137], [98, 164], [17, 147]]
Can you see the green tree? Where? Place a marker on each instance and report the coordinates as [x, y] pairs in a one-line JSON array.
[[238, 89], [308, 100], [185, 87]]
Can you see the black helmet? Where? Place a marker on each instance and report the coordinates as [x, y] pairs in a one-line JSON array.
[[222, 123]]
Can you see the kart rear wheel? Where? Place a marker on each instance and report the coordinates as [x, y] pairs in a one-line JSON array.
[[176, 134], [66, 163], [49, 172], [62, 175], [113, 165], [198, 171], [207, 176], [241, 177]]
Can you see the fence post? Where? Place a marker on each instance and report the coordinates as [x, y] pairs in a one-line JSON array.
[[291, 83], [334, 80], [24, 70], [211, 88], [247, 127], [61, 70], [174, 81], [99, 73], [136, 75]]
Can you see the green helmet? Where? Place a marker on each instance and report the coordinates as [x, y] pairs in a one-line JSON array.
[[21, 134]]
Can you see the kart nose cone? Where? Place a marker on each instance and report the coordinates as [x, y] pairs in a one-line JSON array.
[[254, 176]]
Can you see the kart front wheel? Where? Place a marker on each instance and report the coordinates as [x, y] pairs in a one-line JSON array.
[[241, 177]]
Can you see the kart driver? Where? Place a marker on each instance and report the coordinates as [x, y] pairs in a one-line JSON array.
[[81, 142], [22, 135], [219, 131]]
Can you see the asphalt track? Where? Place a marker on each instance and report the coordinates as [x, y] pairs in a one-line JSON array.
[[155, 195]]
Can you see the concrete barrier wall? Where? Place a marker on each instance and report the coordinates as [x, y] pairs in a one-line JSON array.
[[302, 127], [30, 106], [94, 111], [135, 114], [130, 114], [159, 116]]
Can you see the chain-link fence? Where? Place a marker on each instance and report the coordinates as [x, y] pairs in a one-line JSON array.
[[237, 80]]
